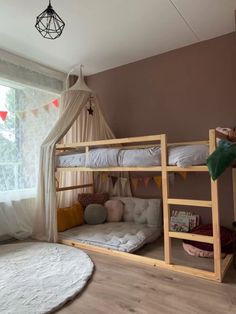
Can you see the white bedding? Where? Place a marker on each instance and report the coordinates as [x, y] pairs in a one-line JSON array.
[[121, 236], [182, 156]]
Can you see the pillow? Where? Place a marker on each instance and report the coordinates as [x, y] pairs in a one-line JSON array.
[[115, 210], [95, 214], [102, 157], [188, 155], [69, 217], [142, 211], [140, 157], [194, 251], [226, 235], [92, 198]]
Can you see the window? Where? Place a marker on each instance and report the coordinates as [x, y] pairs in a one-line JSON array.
[[30, 116]]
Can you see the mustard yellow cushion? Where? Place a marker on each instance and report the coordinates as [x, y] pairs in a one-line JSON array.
[[70, 217]]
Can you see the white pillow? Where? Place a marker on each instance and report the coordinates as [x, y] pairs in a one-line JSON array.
[[139, 157], [188, 155], [142, 211]]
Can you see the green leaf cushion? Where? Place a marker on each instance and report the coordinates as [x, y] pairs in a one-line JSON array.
[[221, 158], [95, 214]]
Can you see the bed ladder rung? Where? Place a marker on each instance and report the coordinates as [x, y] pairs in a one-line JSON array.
[[188, 202], [191, 236]]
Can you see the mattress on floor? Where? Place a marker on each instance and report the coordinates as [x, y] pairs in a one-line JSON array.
[[121, 236], [181, 156]]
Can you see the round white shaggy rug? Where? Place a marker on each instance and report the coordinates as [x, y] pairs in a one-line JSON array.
[[40, 277]]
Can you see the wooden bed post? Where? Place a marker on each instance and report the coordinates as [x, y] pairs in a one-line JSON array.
[[165, 195], [215, 215]]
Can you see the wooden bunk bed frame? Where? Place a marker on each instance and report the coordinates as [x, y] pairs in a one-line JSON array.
[[220, 265]]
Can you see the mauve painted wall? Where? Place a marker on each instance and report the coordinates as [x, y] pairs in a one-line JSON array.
[[182, 93]]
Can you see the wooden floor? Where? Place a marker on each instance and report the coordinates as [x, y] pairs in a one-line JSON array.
[[120, 286], [179, 256]]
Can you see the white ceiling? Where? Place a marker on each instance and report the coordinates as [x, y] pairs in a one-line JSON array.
[[103, 34]]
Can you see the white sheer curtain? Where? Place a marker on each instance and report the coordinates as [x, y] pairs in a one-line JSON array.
[[30, 115], [45, 226]]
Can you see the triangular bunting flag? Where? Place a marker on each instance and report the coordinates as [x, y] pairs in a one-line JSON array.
[[34, 111], [158, 181], [46, 107], [146, 180], [123, 182], [135, 183], [104, 177], [55, 102], [3, 115], [113, 180], [21, 114], [183, 174]]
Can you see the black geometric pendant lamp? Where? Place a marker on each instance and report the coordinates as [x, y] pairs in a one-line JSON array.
[[49, 23]]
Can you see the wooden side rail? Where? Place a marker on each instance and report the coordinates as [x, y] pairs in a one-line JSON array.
[[187, 169], [119, 169], [74, 187], [140, 139]]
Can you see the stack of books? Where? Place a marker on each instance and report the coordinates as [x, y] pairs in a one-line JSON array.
[[182, 221]]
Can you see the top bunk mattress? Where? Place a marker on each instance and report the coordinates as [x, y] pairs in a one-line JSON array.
[[181, 156], [120, 236]]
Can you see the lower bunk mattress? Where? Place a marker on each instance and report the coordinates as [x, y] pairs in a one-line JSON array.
[[120, 236]]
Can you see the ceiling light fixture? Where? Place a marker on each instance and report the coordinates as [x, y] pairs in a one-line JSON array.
[[49, 23]]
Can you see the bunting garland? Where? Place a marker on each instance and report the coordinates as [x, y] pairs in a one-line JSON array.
[[34, 111], [137, 181]]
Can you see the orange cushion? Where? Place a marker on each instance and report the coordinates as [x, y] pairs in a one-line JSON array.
[[70, 217]]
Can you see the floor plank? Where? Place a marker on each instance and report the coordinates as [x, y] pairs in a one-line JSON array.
[[179, 256], [119, 286]]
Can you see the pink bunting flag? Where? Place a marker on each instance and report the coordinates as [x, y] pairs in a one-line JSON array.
[[55, 102], [146, 180], [3, 115]]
